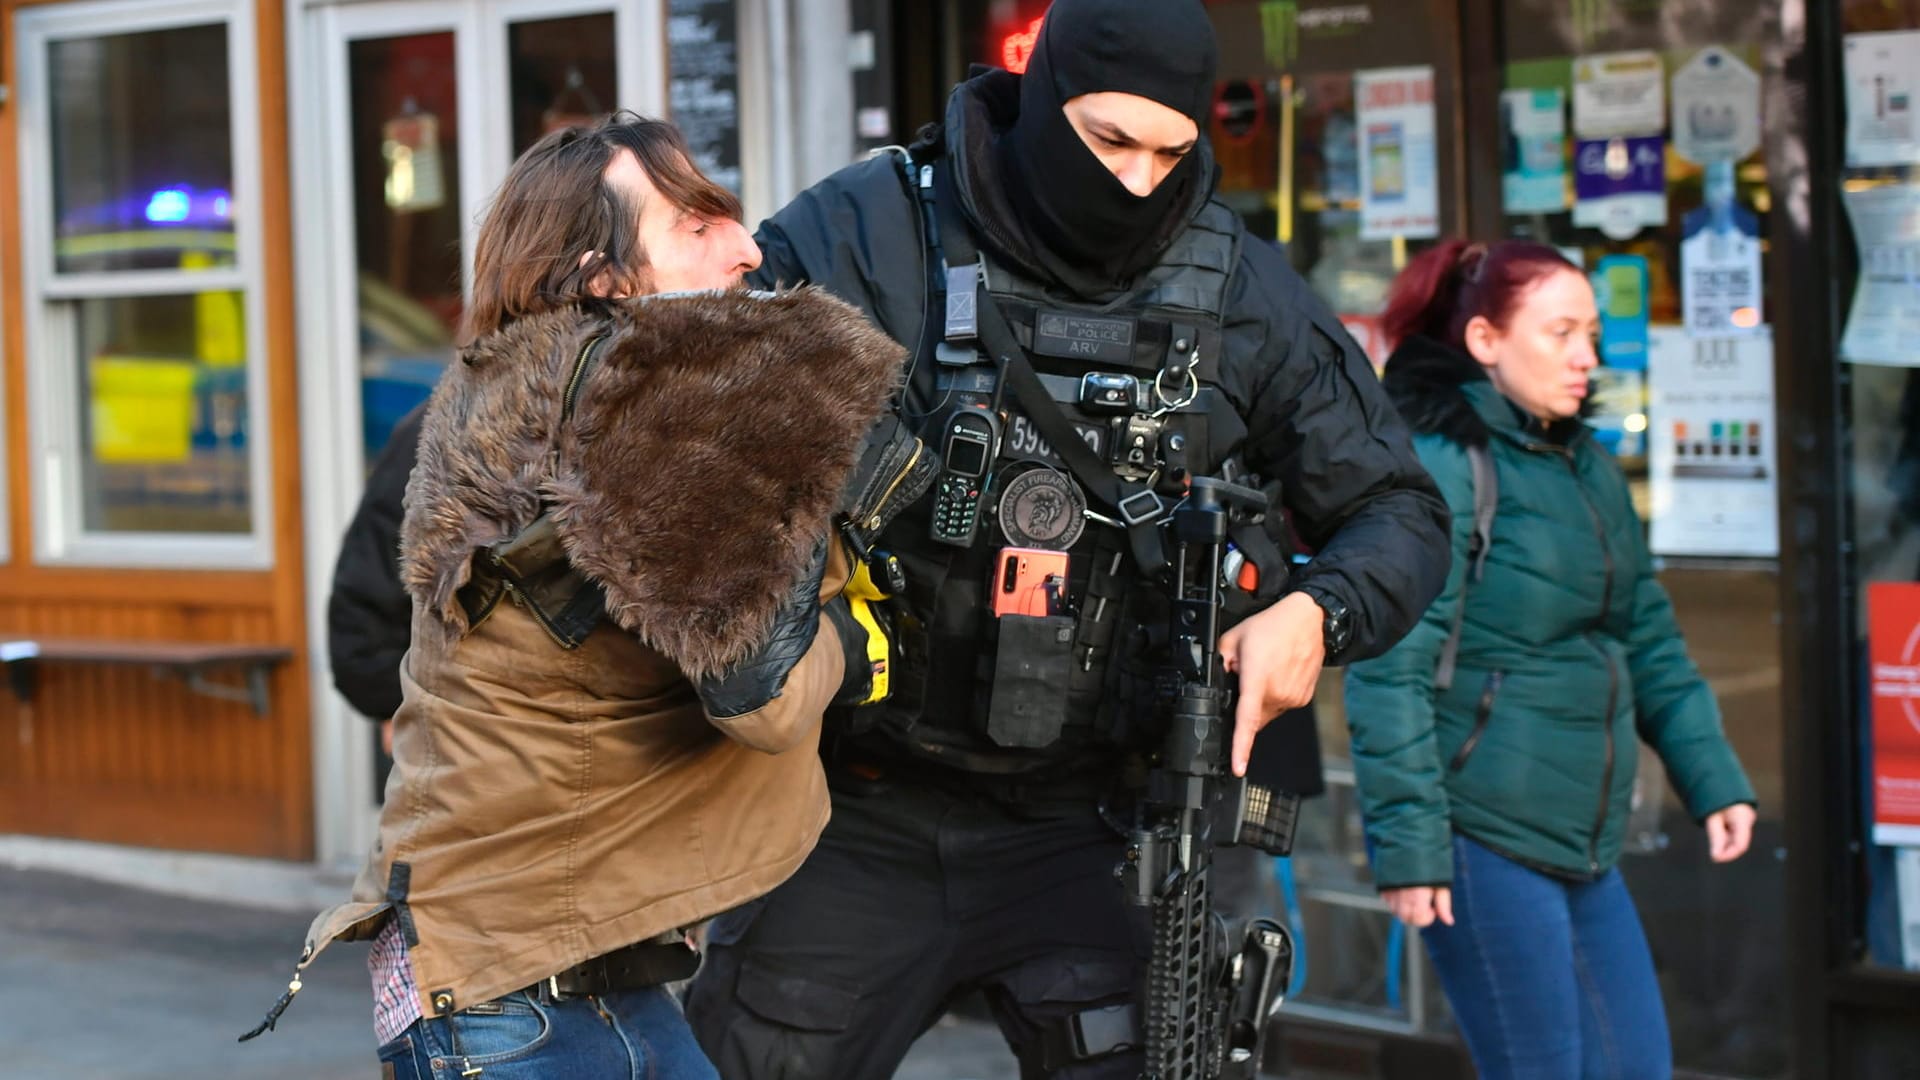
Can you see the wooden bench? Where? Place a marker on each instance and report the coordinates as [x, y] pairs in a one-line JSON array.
[[188, 661]]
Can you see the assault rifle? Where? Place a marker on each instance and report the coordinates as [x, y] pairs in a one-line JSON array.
[[1209, 989]]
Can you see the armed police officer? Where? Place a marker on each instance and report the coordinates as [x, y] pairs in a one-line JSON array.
[[1089, 327]]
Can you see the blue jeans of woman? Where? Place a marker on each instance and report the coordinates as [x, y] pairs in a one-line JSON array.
[[1549, 978], [630, 1035]]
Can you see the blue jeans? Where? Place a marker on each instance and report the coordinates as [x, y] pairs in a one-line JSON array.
[[631, 1035], [1549, 978]]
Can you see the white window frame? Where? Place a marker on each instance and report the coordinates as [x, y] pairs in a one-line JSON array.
[[54, 368], [639, 31]]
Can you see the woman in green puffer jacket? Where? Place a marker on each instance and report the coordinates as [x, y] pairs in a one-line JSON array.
[[1495, 800]]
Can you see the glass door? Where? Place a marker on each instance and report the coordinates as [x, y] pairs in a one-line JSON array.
[[1332, 127], [423, 108], [433, 102]]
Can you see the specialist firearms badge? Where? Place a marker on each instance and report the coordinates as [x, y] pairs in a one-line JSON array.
[[1043, 508]]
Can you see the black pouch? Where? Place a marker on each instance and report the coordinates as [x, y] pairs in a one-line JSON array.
[[894, 469], [1030, 673]]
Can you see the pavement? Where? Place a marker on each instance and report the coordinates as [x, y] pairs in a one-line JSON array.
[[105, 982]]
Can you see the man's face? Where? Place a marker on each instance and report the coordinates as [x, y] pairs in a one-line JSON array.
[[684, 251], [1137, 139]]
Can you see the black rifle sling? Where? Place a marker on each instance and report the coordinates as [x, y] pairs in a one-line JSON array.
[[1137, 505]]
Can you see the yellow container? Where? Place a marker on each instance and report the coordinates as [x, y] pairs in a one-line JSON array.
[[142, 410]]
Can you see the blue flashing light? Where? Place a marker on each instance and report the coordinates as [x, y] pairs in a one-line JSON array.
[[222, 208], [168, 205]]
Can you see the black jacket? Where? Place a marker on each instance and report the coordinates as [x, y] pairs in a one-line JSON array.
[[1317, 419], [369, 617]]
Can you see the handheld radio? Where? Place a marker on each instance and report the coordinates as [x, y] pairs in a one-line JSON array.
[[972, 439]]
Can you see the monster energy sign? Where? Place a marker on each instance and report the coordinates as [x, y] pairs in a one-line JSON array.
[[1282, 23]]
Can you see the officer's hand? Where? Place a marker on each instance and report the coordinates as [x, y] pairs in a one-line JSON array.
[[1419, 905], [1277, 654]]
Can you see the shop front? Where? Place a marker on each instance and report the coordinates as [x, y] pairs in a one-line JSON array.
[[244, 230], [1717, 167]]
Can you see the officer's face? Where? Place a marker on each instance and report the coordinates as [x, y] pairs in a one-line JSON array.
[[1543, 358], [1138, 140], [684, 250]]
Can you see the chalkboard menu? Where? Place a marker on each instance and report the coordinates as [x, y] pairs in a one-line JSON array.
[[704, 62]]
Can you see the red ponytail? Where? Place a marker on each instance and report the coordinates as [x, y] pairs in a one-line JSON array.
[[1446, 287]]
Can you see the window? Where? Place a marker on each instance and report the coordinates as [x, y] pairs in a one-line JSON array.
[[141, 211]]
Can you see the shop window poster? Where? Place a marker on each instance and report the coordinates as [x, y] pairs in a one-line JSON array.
[[1399, 176], [1535, 179], [1712, 470], [1620, 288], [1882, 77], [1883, 325], [1716, 108], [1720, 275], [1893, 649], [1619, 94], [1620, 184], [1617, 410]]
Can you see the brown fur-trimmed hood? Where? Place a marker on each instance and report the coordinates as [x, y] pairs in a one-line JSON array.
[[705, 457]]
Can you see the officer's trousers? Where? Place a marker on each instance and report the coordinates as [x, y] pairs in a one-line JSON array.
[[915, 897]]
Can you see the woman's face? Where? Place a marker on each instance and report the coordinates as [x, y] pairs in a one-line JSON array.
[[1541, 359]]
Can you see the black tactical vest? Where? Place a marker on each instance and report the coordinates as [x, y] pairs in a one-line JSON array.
[[1013, 695]]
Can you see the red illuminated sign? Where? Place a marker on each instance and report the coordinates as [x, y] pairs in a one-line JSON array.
[[1017, 48]]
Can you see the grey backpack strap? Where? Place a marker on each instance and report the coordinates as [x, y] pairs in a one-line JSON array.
[[1486, 499]]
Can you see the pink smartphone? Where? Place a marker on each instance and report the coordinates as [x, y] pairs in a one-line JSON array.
[[1030, 581]]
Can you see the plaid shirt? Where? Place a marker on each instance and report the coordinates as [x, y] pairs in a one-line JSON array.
[[396, 998]]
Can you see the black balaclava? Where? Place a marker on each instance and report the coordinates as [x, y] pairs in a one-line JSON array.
[[1091, 233]]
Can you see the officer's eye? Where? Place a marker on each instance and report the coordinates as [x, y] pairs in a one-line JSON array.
[[701, 229]]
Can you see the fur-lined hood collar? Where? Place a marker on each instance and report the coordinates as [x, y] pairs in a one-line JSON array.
[[1441, 390], [1424, 379], [704, 458]]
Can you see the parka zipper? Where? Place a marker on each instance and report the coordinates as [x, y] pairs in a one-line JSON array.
[[1613, 673], [1480, 717], [580, 368], [527, 604]]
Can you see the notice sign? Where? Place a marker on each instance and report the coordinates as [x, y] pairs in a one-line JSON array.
[[1716, 108], [704, 85], [1534, 180], [1893, 649], [1621, 285], [1720, 281], [1619, 94], [1620, 185], [1882, 75], [1883, 325], [1711, 463], [1399, 178]]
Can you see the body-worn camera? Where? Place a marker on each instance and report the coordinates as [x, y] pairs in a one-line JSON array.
[[1112, 392]]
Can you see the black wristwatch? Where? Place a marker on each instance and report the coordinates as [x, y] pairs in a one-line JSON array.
[[1336, 627]]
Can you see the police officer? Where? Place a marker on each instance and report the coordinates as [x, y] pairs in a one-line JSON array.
[[1056, 258]]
